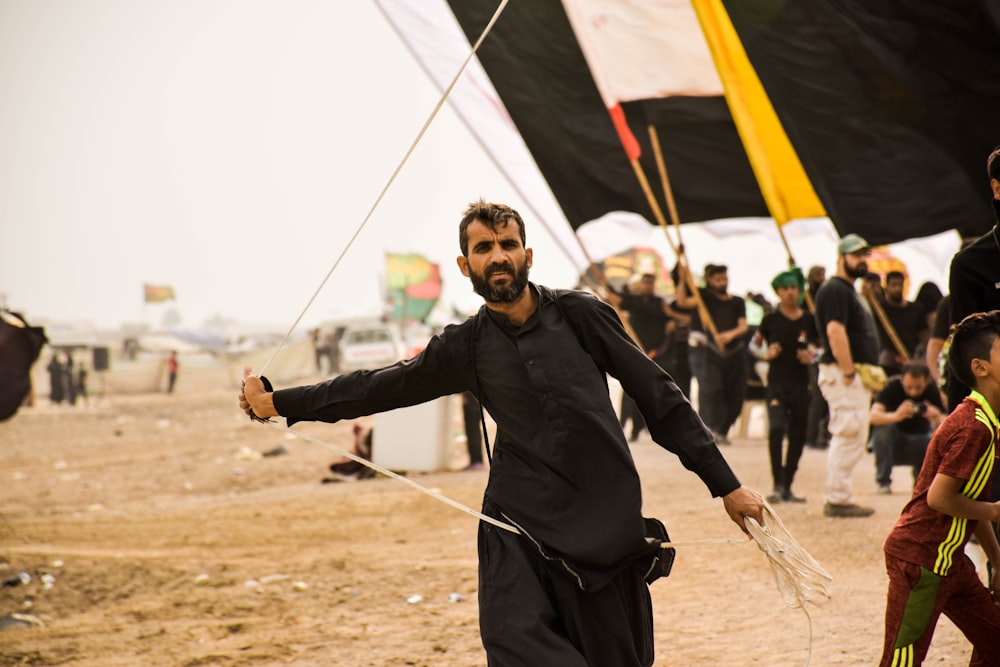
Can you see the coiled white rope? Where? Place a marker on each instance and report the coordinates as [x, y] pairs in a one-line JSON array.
[[800, 579]]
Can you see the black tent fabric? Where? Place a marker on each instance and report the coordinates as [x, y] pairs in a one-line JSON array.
[[19, 348], [537, 67], [891, 105]]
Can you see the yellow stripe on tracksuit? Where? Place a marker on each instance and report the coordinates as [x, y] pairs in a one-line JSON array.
[[903, 656], [977, 481]]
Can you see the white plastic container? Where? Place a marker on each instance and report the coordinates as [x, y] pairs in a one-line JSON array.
[[418, 438]]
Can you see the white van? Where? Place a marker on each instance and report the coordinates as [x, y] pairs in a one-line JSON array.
[[369, 347]]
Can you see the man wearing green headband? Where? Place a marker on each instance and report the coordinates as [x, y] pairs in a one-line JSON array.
[[787, 339]]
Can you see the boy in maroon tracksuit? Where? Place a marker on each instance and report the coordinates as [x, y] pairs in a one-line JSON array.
[[929, 573]]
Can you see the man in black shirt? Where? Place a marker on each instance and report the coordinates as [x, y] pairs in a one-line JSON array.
[[934, 356], [974, 281], [719, 364], [648, 316], [817, 436], [790, 337], [847, 333], [908, 321], [568, 586], [815, 279], [903, 418], [974, 284]]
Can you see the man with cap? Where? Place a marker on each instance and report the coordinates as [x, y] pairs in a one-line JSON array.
[[787, 338], [847, 333]]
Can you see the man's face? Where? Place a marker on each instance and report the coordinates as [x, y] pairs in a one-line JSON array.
[[497, 262], [914, 385], [856, 263], [719, 282], [817, 277], [894, 289], [646, 285]]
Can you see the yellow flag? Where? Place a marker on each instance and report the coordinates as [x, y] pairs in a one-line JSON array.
[[786, 187]]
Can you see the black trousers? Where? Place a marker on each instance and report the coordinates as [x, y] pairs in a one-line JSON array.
[[532, 613], [722, 389], [787, 414], [819, 411], [473, 423]]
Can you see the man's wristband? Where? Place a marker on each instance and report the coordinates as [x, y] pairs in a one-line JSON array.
[[850, 376]]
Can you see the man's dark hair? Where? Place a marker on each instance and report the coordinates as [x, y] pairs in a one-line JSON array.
[[894, 274], [715, 269], [916, 369], [491, 215], [972, 338], [993, 164]]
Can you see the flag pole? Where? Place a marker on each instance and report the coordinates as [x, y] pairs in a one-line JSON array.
[[706, 317], [602, 279], [886, 324]]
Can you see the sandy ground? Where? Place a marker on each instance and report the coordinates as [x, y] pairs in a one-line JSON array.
[[169, 541]]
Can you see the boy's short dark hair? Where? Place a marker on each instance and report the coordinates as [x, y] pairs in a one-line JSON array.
[[491, 215], [972, 338]]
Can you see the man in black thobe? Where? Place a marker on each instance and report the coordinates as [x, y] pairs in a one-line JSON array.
[[569, 589]]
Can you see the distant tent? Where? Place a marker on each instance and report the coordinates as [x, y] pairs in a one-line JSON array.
[[20, 345]]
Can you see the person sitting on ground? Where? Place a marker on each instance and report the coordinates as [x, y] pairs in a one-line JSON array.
[[929, 573], [903, 418]]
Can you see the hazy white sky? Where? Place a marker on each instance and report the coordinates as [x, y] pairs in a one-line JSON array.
[[229, 149]]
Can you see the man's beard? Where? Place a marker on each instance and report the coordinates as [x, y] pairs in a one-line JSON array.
[[860, 270], [506, 293]]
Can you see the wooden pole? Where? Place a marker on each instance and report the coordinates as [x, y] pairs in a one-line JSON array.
[[599, 274], [706, 317], [886, 324]]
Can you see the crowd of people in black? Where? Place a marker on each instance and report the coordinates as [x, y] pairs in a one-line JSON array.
[[67, 379], [708, 338]]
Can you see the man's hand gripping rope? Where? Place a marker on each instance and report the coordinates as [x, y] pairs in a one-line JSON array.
[[256, 397]]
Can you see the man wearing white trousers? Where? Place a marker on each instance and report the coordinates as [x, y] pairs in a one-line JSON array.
[[848, 335]]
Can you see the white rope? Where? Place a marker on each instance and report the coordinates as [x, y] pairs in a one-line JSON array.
[[800, 579], [388, 473], [454, 503], [399, 167]]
